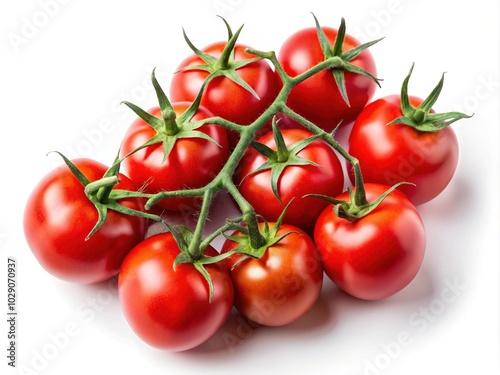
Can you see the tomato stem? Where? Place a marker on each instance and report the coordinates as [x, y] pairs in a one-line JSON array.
[[230, 224], [282, 152], [225, 65], [421, 118], [257, 240], [360, 193], [194, 247], [102, 188], [224, 61], [170, 126]]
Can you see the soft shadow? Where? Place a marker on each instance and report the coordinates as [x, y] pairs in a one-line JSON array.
[[421, 289], [238, 330], [320, 318], [458, 197], [96, 305]]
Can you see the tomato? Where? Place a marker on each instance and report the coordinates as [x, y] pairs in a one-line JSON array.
[[224, 97], [58, 217], [170, 309], [283, 284], [325, 178], [394, 153], [318, 98], [377, 255], [192, 162]]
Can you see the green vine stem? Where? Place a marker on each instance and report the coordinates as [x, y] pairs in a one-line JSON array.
[[223, 180], [288, 84], [357, 207], [360, 193], [194, 246]]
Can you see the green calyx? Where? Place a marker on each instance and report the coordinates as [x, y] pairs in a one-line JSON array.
[[184, 237], [270, 235], [341, 61], [225, 65], [282, 157], [356, 207], [421, 117], [170, 127], [103, 195]]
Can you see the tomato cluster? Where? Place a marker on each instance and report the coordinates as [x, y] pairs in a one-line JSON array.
[[260, 126]]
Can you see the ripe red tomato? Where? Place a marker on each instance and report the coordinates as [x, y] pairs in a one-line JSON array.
[[318, 98], [395, 153], [283, 284], [58, 217], [192, 163], [377, 255], [170, 309], [224, 97], [294, 183]]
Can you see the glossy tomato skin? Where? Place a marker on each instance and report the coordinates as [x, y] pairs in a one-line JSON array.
[[167, 309], [283, 284], [222, 96], [318, 98], [192, 163], [58, 216], [395, 153], [295, 182], [378, 255]]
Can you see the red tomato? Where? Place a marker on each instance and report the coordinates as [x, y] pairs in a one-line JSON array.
[[170, 309], [377, 255], [295, 181], [58, 217], [192, 163], [283, 284], [395, 153], [318, 98], [224, 97]]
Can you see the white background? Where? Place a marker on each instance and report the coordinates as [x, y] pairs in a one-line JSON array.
[[66, 66]]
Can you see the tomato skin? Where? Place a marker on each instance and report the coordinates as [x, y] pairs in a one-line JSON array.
[[192, 163], [222, 96], [378, 255], [283, 284], [58, 216], [167, 309], [318, 98], [295, 181], [395, 153]]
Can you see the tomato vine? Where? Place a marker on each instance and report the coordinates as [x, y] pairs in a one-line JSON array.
[[172, 127], [223, 180]]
